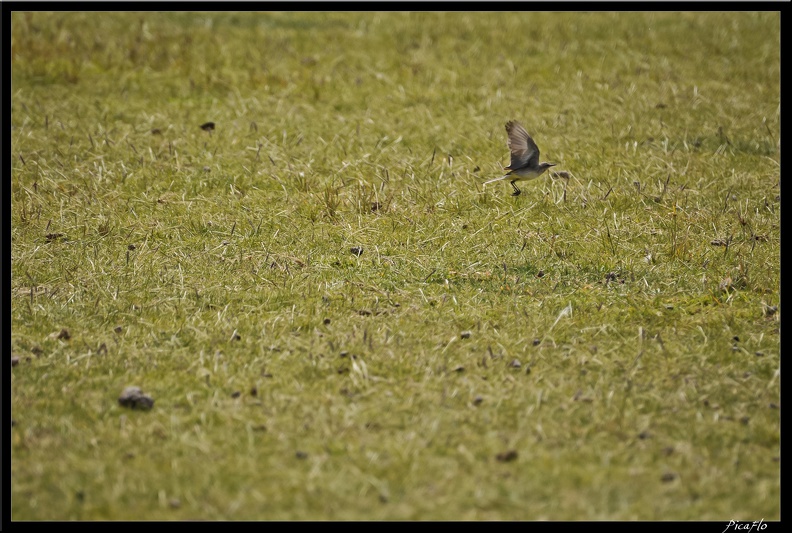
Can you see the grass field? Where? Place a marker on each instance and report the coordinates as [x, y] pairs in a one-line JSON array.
[[334, 318]]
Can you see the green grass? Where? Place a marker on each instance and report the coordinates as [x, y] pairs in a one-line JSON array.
[[618, 330]]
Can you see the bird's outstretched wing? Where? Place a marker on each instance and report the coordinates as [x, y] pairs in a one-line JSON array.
[[523, 149]]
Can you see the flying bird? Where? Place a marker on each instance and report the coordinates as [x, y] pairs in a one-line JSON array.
[[525, 163]]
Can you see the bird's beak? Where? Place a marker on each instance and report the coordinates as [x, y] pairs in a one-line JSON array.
[[552, 164]]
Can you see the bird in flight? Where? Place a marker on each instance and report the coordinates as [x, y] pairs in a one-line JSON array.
[[525, 163]]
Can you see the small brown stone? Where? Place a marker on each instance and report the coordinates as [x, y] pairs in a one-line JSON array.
[[507, 456]]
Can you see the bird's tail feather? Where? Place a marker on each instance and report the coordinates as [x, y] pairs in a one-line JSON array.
[[496, 179]]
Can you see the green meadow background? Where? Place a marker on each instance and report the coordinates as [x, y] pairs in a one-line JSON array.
[[337, 321]]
